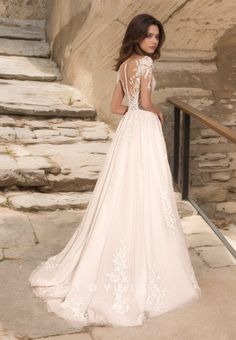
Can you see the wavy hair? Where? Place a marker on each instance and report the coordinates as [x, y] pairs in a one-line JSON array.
[[137, 31]]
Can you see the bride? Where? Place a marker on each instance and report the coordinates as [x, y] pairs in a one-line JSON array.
[[128, 259]]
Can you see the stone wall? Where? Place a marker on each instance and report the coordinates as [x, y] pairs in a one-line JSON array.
[[213, 162], [85, 37], [23, 9]]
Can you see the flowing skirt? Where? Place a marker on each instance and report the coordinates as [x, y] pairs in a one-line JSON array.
[[128, 259]]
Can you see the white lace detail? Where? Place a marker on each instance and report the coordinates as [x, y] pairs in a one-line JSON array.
[[132, 86], [75, 305], [156, 292], [119, 279], [169, 214], [146, 69], [51, 264]]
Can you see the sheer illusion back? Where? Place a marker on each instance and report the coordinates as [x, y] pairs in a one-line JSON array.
[[135, 75]]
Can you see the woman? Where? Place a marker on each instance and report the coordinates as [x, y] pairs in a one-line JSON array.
[[128, 259]]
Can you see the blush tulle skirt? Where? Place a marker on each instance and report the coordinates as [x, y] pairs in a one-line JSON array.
[[128, 259]]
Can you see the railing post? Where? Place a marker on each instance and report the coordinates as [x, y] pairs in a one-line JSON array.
[[186, 135], [176, 144], [211, 123]]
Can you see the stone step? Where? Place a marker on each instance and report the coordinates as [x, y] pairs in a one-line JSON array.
[[23, 68], [12, 28], [26, 130], [162, 67], [43, 99], [78, 180], [53, 167], [45, 179], [26, 48], [36, 201], [30, 201], [195, 93]]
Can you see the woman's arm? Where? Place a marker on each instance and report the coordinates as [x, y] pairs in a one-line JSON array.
[[146, 88]]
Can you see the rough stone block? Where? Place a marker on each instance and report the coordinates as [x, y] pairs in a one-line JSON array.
[[15, 229], [7, 162], [24, 68], [94, 133], [7, 133], [22, 178], [17, 150], [46, 133], [22, 133], [46, 202], [7, 121], [68, 132], [227, 207], [216, 256], [81, 180], [34, 163], [24, 48], [195, 224]]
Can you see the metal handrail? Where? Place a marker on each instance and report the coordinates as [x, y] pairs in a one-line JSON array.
[[188, 111]]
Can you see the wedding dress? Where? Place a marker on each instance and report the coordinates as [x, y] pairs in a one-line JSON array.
[[128, 259]]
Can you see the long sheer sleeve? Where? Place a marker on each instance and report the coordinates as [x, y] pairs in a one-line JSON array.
[[146, 76]]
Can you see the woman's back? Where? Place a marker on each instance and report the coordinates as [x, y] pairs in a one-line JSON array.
[[136, 74]]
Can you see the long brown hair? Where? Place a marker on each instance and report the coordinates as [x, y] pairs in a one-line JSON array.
[[136, 31]]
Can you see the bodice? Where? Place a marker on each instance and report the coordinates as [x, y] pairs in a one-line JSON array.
[[142, 68]]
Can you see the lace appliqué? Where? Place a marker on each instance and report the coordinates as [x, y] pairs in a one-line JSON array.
[[145, 69], [75, 305], [156, 292], [51, 264], [170, 216], [119, 278]]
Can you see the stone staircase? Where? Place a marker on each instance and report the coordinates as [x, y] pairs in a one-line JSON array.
[[50, 140], [52, 149], [24, 55]]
